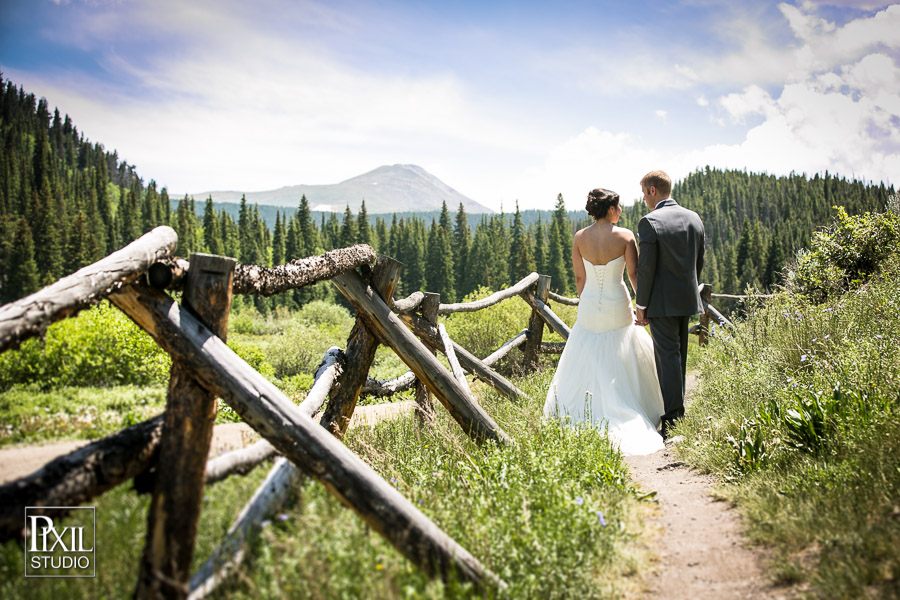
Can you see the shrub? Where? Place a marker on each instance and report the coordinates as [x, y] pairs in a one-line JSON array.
[[98, 347], [844, 256], [298, 347]]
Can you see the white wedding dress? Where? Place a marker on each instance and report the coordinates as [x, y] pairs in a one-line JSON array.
[[607, 373]]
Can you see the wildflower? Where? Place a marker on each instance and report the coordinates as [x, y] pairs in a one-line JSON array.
[[789, 379], [827, 335], [579, 500], [283, 517], [379, 567], [601, 518], [878, 336], [265, 523], [803, 358], [393, 480]]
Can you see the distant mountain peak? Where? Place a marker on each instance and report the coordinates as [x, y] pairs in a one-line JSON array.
[[386, 189]]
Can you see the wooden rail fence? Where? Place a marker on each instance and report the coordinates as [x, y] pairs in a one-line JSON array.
[[135, 279]]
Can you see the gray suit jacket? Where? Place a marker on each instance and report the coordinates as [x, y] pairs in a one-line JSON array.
[[670, 260]]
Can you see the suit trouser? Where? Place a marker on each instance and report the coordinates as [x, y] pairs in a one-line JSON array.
[[670, 344]]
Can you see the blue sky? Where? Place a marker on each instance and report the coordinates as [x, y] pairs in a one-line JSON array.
[[504, 101]]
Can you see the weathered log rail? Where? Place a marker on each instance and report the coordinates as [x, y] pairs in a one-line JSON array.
[[173, 447]]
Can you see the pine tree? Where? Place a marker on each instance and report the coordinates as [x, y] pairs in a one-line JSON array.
[[461, 241], [541, 252], [564, 232], [23, 278], [250, 235], [478, 272], [8, 225], [262, 239], [81, 245], [517, 248], [231, 239], [525, 264], [774, 263], [729, 273], [151, 209], [382, 240], [556, 267], [444, 220], [278, 241], [394, 235], [363, 231], [46, 236], [439, 264], [292, 242], [331, 231], [212, 232], [186, 227], [412, 250], [348, 229]]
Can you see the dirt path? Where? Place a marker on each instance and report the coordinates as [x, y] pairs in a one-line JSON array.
[[18, 461], [702, 553]]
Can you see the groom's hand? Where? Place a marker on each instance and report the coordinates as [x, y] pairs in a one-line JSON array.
[[641, 317]]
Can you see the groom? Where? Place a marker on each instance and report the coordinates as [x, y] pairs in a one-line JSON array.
[[669, 264]]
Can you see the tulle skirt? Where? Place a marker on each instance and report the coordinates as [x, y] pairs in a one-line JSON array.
[[608, 379]]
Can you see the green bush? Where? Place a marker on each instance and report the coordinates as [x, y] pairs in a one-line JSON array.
[[298, 346], [845, 255], [98, 347]]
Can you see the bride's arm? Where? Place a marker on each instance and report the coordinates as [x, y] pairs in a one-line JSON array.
[[578, 266], [631, 260]]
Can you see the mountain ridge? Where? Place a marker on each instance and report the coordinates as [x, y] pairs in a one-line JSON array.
[[386, 189]]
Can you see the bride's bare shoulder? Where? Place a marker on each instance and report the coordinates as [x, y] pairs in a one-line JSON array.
[[625, 234]]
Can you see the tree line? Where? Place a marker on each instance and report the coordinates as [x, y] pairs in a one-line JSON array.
[[756, 223], [66, 202]]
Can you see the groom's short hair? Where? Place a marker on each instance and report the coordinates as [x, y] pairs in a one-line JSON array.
[[659, 180]]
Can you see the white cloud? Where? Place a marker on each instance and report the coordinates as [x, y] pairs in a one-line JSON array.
[[593, 158], [753, 100], [267, 111], [847, 123], [805, 25], [661, 114]]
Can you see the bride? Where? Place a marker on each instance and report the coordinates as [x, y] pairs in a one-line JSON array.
[[607, 374]]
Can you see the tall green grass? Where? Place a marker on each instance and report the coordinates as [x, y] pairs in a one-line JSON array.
[[798, 412], [552, 514]]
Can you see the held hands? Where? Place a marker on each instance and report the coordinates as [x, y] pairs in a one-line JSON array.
[[641, 317]]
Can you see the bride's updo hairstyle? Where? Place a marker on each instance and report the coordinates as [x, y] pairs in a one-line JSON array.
[[599, 202]]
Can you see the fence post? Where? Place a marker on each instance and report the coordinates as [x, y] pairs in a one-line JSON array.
[[390, 329], [536, 325], [706, 296], [424, 402], [184, 446], [361, 346]]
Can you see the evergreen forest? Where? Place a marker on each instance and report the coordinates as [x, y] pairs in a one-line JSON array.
[[66, 202]]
